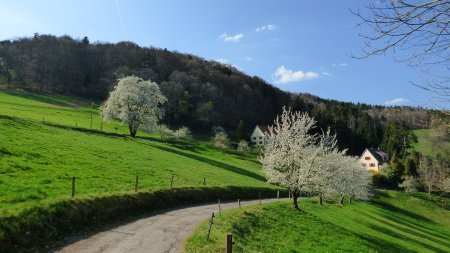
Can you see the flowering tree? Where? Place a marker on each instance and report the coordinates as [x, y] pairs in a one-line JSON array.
[[327, 166], [351, 179], [289, 157], [135, 102], [220, 140], [242, 145], [182, 132], [305, 162]]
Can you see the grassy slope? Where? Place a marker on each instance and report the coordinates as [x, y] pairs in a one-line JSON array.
[[37, 160], [393, 222], [426, 144]]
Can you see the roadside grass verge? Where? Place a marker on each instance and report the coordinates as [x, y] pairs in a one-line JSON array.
[[392, 222], [35, 228]]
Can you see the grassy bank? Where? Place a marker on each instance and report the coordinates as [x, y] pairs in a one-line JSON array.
[[39, 158], [46, 140], [393, 222], [38, 226], [37, 162]]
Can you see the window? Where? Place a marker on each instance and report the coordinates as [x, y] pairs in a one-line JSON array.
[[385, 158], [254, 138], [367, 158], [260, 137], [363, 164], [372, 165], [260, 142]]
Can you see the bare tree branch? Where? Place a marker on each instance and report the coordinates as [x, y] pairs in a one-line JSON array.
[[416, 32]]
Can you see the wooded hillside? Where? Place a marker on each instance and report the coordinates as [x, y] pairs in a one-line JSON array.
[[200, 93]]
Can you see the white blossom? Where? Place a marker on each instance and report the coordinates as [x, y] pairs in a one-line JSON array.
[[301, 161], [135, 102]]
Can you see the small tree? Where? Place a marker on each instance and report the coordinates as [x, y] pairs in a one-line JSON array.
[[164, 132], [240, 131], [182, 132], [135, 102], [434, 174], [410, 184], [242, 145], [220, 140]]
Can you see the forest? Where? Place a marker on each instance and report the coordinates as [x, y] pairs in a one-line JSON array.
[[201, 93]]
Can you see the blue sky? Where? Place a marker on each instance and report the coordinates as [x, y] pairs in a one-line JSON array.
[[298, 46]]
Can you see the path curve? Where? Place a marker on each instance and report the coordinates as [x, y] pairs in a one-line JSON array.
[[162, 232]]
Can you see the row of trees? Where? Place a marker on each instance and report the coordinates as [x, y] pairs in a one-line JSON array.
[[303, 161]]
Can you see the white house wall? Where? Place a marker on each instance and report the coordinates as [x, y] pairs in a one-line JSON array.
[[258, 138], [371, 164]]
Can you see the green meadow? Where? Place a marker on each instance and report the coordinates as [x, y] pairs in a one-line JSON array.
[[39, 157], [392, 222], [429, 144]]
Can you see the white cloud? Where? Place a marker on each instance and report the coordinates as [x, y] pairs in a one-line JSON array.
[[266, 27], [231, 38], [284, 75], [325, 73], [248, 58], [222, 60], [342, 64], [397, 101]]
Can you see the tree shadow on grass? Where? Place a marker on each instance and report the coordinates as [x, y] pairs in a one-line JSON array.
[[379, 244], [383, 205], [412, 229], [442, 201], [45, 98], [211, 162], [404, 238]]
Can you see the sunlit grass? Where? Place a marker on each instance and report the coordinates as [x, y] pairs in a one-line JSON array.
[[393, 222], [38, 158]]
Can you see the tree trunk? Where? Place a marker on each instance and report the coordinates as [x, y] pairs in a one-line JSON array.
[[294, 199], [341, 200], [132, 131], [321, 199]]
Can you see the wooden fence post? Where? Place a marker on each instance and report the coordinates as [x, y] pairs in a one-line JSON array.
[[136, 184], [204, 180], [171, 182], [229, 243], [278, 194], [220, 210], [73, 187], [211, 221], [90, 126], [239, 203]]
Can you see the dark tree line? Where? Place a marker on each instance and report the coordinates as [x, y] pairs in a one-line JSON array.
[[200, 93]]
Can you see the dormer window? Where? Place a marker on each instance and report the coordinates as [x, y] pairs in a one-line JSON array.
[[367, 158]]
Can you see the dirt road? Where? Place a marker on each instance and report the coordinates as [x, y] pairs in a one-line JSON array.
[[162, 232]]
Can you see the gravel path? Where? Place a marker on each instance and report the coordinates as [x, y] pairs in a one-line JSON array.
[[162, 232]]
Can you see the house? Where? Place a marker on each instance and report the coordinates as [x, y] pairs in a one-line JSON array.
[[260, 136], [373, 159]]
